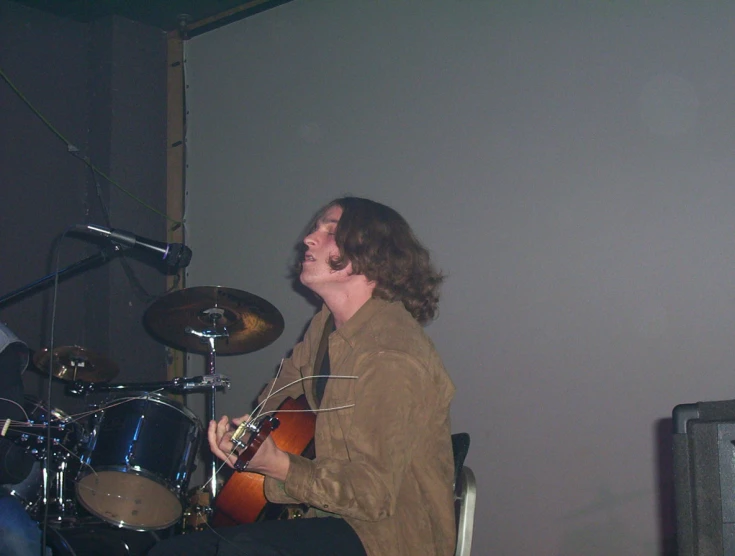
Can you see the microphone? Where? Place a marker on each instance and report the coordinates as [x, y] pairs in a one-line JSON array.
[[175, 255]]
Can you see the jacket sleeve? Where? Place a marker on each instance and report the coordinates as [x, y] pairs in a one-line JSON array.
[[392, 397]]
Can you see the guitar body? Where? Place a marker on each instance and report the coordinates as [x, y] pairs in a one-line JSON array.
[[242, 499]]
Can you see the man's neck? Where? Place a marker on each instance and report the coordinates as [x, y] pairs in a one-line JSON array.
[[345, 304]]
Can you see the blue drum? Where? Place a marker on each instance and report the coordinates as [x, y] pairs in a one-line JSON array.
[[138, 461]]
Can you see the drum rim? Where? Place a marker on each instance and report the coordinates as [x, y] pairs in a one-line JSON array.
[[157, 398]]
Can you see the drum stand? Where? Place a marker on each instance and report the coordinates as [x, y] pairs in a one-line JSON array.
[[54, 470], [210, 337], [193, 319]]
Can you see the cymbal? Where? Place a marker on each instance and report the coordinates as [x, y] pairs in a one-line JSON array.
[[76, 363], [239, 321]]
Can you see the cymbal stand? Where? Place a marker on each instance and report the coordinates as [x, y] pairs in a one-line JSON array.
[[210, 337]]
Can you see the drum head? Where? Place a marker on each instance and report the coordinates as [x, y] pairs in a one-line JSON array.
[[129, 500]]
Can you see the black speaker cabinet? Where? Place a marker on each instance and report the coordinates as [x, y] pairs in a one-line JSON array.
[[704, 478]]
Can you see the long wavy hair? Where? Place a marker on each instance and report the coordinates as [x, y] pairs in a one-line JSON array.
[[382, 247]]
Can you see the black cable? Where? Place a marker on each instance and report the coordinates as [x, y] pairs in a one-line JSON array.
[[47, 475]]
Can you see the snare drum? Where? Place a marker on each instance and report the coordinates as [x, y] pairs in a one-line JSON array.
[[138, 462]]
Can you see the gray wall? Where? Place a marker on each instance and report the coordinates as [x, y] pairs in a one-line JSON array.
[[570, 168]]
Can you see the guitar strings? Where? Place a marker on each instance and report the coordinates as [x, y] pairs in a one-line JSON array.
[[20, 426], [76, 417], [282, 388], [273, 384], [18, 405], [259, 413], [320, 410], [271, 393]]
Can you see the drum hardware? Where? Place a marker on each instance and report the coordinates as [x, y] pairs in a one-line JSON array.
[[47, 485], [209, 320], [133, 465], [36, 493], [198, 512], [103, 256], [56, 490], [202, 383], [176, 385]]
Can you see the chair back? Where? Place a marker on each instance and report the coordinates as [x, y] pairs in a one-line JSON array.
[[465, 493]]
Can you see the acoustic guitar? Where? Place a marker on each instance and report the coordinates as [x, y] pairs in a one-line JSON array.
[[242, 499]]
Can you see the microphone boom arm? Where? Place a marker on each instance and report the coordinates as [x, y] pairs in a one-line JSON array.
[[103, 256]]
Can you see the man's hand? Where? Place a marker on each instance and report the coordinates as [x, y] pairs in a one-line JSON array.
[[219, 435], [269, 460]]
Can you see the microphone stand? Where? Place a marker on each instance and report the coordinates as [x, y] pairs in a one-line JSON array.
[[104, 255]]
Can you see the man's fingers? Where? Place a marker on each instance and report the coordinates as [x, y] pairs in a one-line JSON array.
[[239, 420], [219, 441], [223, 426]]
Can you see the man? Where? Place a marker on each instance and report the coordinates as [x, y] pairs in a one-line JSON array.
[[381, 481], [19, 534]]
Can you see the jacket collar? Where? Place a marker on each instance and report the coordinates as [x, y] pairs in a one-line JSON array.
[[357, 322]]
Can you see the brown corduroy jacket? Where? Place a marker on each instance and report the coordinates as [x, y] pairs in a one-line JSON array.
[[384, 462]]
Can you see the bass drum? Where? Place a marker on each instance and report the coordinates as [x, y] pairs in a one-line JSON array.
[[93, 540]]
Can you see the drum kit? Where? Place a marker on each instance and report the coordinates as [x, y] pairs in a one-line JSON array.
[[128, 461]]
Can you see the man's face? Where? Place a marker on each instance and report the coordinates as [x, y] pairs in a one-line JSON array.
[[316, 274]]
